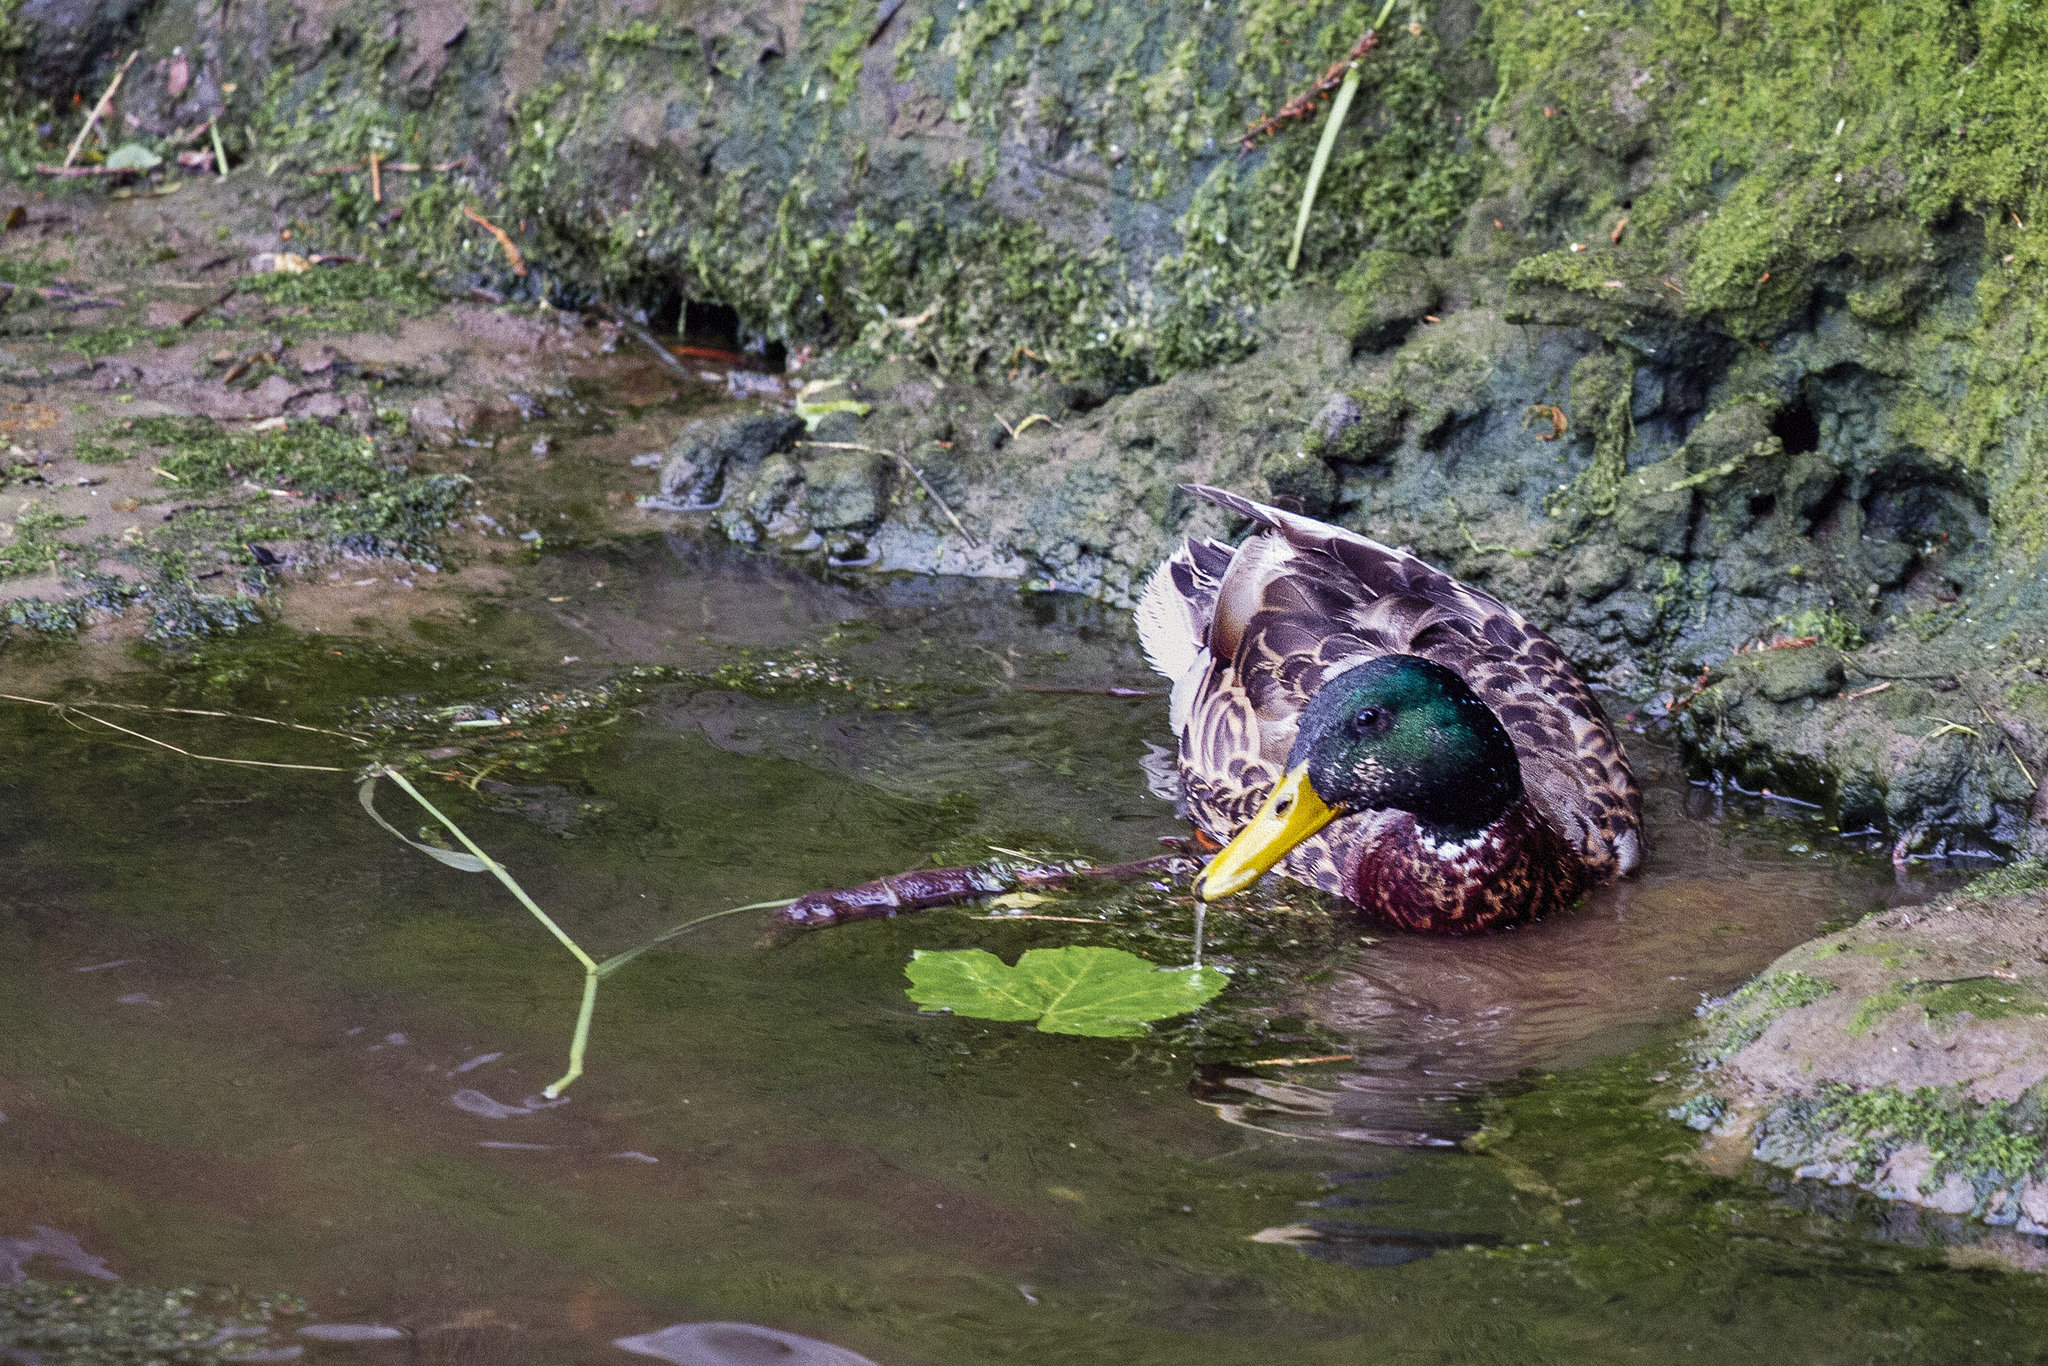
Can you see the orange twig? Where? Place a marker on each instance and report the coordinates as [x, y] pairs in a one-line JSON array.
[[1302, 106], [376, 179], [504, 240]]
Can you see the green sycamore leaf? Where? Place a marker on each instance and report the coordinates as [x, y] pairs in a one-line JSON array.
[[1100, 993]]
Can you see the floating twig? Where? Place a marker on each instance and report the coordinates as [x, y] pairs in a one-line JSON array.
[[504, 238], [928, 888], [1303, 1062], [99, 109]]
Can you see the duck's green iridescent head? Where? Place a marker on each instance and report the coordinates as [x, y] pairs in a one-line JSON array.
[[1398, 733]]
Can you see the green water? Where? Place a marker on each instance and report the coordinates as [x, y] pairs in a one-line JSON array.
[[241, 1032]]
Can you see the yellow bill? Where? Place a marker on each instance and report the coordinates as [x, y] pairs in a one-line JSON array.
[[1290, 815]]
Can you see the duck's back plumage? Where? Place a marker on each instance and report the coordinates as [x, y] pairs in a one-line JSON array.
[[1249, 634]]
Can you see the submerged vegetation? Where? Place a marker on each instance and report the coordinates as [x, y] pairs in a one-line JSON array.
[[97, 1324]]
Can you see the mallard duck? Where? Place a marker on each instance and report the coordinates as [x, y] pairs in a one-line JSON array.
[[1371, 726]]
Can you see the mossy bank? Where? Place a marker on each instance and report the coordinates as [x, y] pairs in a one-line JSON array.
[[1685, 332]]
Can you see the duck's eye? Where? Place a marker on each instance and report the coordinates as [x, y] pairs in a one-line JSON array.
[[1369, 721]]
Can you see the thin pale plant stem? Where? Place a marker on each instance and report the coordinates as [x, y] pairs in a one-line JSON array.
[[593, 971], [497, 869], [63, 708], [1332, 125]]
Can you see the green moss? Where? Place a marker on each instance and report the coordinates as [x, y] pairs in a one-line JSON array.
[[1381, 415], [1874, 1008], [322, 484], [786, 224], [1601, 385], [1385, 288], [354, 297], [1740, 1019], [2003, 1140], [313, 489], [1763, 150], [1945, 1002], [1981, 998], [34, 545], [117, 337], [2025, 875], [1830, 627], [97, 450], [31, 271]]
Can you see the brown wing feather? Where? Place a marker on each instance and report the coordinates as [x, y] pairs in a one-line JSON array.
[[1307, 600]]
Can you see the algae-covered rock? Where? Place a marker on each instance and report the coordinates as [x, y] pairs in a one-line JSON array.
[[844, 490], [1908, 1055], [1788, 674], [1653, 508], [1381, 297], [1358, 427], [1299, 480]]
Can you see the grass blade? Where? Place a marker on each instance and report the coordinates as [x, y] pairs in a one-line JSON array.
[[1331, 126]]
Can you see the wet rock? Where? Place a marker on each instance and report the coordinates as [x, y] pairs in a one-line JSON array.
[[66, 38], [844, 490], [737, 1344], [699, 461], [323, 406], [773, 498], [1908, 1055], [1300, 481], [1358, 427], [1787, 675], [839, 427], [1083, 396], [1653, 508]]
